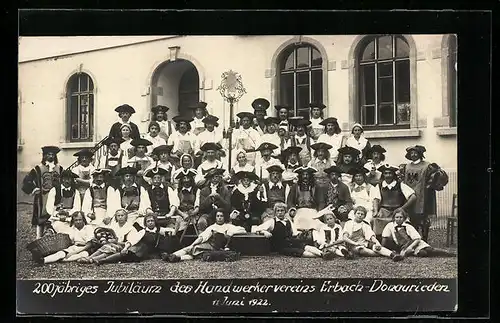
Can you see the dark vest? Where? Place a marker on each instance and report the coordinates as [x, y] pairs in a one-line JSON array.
[[329, 234], [186, 200], [49, 179], [392, 198], [280, 234], [275, 195], [160, 202], [130, 198], [67, 199], [117, 158], [99, 196]]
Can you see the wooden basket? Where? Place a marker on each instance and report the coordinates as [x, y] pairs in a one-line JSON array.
[[49, 244]]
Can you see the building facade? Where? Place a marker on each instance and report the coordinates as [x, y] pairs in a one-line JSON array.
[[401, 88]]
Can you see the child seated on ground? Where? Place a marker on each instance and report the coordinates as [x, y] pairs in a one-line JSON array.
[[400, 236], [283, 235], [126, 236], [215, 237], [360, 238], [80, 234], [329, 238]]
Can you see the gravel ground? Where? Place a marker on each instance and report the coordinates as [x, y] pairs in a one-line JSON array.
[[247, 267]]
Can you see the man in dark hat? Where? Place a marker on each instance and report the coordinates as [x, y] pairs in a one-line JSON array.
[[189, 198], [162, 156], [316, 116], [199, 113], [338, 196], [271, 134], [266, 150], [417, 175], [183, 140], [210, 150], [164, 200], [290, 158], [361, 192], [245, 137], [348, 158], [130, 196], [95, 200], [211, 134], [39, 181], [214, 195], [389, 197], [284, 112], [375, 160], [62, 201], [140, 161], [160, 116], [246, 201], [300, 138], [83, 170], [125, 111], [275, 190], [332, 136], [260, 107]]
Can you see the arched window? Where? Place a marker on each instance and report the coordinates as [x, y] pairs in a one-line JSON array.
[[300, 77], [80, 107], [384, 82], [452, 77], [189, 89]]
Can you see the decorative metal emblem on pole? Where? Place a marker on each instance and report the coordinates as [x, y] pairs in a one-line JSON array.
[[231, 89]]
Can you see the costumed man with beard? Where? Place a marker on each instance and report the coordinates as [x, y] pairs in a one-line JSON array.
[[40, 180], [189, 198], [130, 196], [265, 160], [125, 111], [389, 197], [214, 195], [182, 139], [95, 200], [62, 201], [211, 134], [274, 190], [338, 195], [140, 161], [417, 175], [164, 200], [160, 116], [245, 137], [112, 159], [260, 106]]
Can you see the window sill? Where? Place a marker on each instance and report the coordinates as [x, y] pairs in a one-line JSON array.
[[77, 145], [448, 131], [394, 133]]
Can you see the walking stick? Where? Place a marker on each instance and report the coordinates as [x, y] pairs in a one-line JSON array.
[[230, 139]]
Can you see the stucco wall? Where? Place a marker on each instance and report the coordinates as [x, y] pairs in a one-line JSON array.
[[123, 75]]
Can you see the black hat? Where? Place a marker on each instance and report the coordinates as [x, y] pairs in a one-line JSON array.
[[113, 140], [260, 104], [210, 146], [419, 149], [214, 171], [385, 167], [321, 106], [321, 145], [333, 169], [126, 170], [281, 106], [210, 119], [162, 149], [296, 121], [186, 173], [68, 173], [158, 108], [84, 153], [156, 171], [271, 120], [125, 108], [243, 174], [357, 170], [276, 168], [266, 145], [140, 142], [202, 105], [242, 115], [328, 120], [291, 150], [346, 150], [305, 169], [98, 171], [378, 149], [50, 149], [178, 119]]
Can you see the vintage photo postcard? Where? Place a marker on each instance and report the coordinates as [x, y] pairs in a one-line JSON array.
[[180, 174]]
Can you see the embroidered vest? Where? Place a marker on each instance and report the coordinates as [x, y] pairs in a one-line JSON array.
[[186, 199], [392, 198], [113, 163], [305, 199], [275, 194], [49, 179], [130, 197], [66, 199], [99, 196], [160, 202]]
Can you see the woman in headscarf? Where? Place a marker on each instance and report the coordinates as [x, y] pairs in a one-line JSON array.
[[357, 140]]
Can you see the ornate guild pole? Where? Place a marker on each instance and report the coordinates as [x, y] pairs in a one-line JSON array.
[[231, 89]]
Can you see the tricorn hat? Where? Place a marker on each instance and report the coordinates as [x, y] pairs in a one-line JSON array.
[[125, 108], [260, 104], [156, 171], [159, 108], [126, 170], [50, 149], [321, 145]]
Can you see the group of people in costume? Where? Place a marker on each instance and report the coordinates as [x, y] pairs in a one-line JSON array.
[[297, 181]]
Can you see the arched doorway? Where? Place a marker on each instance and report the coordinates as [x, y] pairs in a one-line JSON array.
[[175, 84]]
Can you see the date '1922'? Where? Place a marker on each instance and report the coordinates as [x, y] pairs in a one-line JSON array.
[[241, 302]]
